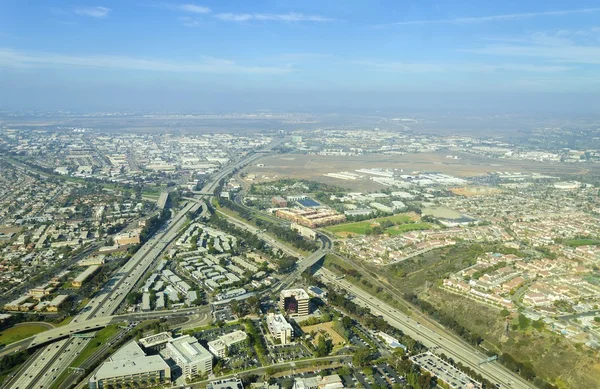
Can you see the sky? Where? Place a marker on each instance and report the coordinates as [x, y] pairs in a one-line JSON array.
[[300, 55]]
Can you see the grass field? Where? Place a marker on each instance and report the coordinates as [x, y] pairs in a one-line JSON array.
[[21, 331], [101, 337], [402, 228], [404, 223], [582, 242]]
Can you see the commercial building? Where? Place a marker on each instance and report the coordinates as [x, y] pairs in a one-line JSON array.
[[127, 238], [15, 305], [189, 355], [156, 342], [304, 231], [279, 202], [131, 367], [219, 347], [231, 383], [312, 218], [82, 277], [327, 382], [280, 328], [294, 302], [56, 302]]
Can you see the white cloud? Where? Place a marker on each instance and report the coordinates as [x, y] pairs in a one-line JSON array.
[[95, 12], [16, 59], [563, 46], [425, 67], [491, 18], [289, 17], [190, 22], [193, 8]]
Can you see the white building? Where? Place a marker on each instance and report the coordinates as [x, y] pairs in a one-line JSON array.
[[219, 347], [130, 366], [280, 328], [189, 355]]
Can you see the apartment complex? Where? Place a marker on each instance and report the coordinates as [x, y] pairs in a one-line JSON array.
[[312, 218]]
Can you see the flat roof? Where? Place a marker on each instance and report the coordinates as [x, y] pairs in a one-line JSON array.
[[297, 293], [86, 273], [189, 348], [139, 365]]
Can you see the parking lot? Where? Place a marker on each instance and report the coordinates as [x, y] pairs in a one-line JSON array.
[[443, 370], [288, 352]]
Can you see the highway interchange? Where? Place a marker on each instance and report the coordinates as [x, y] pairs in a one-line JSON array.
[[50, 361]]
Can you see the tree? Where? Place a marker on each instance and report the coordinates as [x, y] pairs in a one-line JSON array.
[[362, 357]]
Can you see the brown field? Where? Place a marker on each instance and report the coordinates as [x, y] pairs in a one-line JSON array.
[[312, 167], [325, 327]]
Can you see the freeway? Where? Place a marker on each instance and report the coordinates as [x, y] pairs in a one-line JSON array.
[[451, 346], [105, 303], [100, 310]]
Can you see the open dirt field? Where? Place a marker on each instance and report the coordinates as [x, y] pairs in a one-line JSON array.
[[328, 328], [313, 167]]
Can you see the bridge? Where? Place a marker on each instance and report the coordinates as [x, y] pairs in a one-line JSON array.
[[301, 266]]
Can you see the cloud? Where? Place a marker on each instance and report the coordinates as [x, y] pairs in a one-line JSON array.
[[190, 22], [289, 17], [16, 59], [563, 46], [95, 12], [193, 8], [491, 18], [416, 67]]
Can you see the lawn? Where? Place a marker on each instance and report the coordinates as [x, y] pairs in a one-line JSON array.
[[101, 337], [402, 228], [403, 223], [21, 331], [582, 242]]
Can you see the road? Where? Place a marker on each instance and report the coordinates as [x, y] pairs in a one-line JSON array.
[[451, 346], [104, 303], [45, 366]]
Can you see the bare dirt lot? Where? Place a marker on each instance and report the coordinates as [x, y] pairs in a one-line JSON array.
[[313, 167]]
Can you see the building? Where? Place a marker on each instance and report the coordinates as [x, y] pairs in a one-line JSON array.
[[304, 231], [232, 383], [219, 347], [294, 302], [131, 367], [15, 305], [146, 302], [279, 202], [127, 238], [280, 328], [312, 218], [93, 260], [317, 292], [82, 277], [327, 382], [56, 302], [156, 342], [189, 355]]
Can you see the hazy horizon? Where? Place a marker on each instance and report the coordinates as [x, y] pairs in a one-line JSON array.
[[208, 56]]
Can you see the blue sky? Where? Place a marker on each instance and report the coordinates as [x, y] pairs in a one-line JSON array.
[[232, 55]]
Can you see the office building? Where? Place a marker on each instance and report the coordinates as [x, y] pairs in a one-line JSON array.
[[280, 328], [219, 347], [131, 367], [294, 302], [189, 355]]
